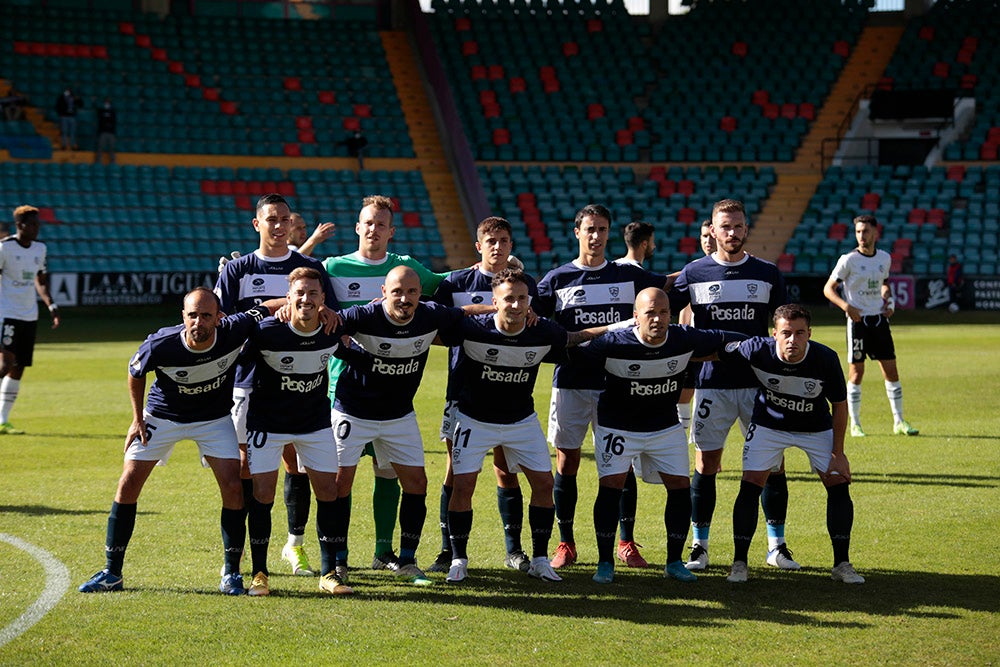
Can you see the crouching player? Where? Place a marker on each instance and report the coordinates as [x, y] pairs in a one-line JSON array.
[[637, 423], [190, 400], [289, 406], [798, 378]]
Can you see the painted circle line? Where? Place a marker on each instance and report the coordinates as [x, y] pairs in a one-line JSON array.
[[56, 584]]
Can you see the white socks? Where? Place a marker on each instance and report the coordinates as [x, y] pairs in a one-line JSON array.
[[854, 402], [8, 394], [894, 392]]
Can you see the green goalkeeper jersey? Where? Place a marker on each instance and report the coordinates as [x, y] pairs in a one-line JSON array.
[[357, 280]]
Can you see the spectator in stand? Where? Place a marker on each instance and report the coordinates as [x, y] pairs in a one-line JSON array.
[[107, 122], [356, 145], [67, 105]]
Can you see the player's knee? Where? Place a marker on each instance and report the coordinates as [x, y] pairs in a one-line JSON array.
[[506, 480]]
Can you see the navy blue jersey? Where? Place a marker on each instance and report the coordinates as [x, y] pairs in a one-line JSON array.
[[468, 287], [384, 366], [642, 382], [579, 297], [793, 397], [495, 373], [739, 296], [290, 378], [193, 386], [253, 279]]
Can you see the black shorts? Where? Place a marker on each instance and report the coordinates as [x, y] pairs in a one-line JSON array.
[[870, 338], [19, 339]]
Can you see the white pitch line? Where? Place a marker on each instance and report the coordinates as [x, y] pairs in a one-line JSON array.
[[56, 583]]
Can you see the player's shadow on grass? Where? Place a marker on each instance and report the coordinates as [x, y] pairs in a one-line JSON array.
[[915, 479], [44, 510], [807, 597]]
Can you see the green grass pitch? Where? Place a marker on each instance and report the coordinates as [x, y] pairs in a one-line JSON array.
[[927, 510]]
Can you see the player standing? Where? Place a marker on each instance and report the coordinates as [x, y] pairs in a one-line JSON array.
[[867, 300], [243, 283], [357, 279], [468, 287], [586, 292], [22, 275], [732, 290]]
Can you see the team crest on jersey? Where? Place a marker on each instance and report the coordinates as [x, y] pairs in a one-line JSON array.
[[672, 365], [752, 290], [606, 457], [418, 344], [731, 347], [810, 386], [222, 364], [529, 356], [614, 290], [325, 357], [633, 370]]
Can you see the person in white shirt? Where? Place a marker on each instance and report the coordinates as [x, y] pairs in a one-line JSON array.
[[22, 275], [862, 277]]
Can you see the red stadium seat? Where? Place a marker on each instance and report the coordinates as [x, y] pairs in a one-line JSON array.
[[491, 110], [397, 206], [211, 94], [895, 263], [501, 136], [495, 72], [478, 72], [595, 111], [903, 246], [771, 111], [786, 262], [327, 97], [229, 108], [727, 124], [98, 51], [286, 188], [240, 188], [547, 72], [209, 187], [292, 150], [871, 201], [917, 216], [988, 152], [570, 49], [487, 96], [842, 48], [837, 231], [935, 217], [969, 81], [550, 86], [292, 83], [886, 83], [144, 41], [594, 25], [807, 110], [739, 49], [306, 136], [192, 80], [965, 57], [658, 173], [126, 28], [411, 219], [941, 70], [175, 67], [636, 123], [760, 97], [688, 215], [224, 187], [518, 84], [159, 55], [362, 110], [46, 214], [463, 24], [926, 33], [624, 138], [688, 245], [956, 173], [685, 187], [789, 111], [243, 203], [351, 124], [303, 122], [470, 48], [667, 188]]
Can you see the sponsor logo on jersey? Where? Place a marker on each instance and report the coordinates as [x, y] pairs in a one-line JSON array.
[[285, 364], [492, 354], [181, 374], [714, 290], [656, 389], [579, 297], [302, 386], [633, 370], [595, 317], [801, 405], [477, 299], [491, 375], [720, 314], [385, 347], [388, 368], [257, 285], [201, 388], [354, 291]]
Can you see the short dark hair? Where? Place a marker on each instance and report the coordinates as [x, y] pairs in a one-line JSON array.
[[595, 210], [637, 232], [792, 311], [509, 276], [23, 213], [305, 273], [494, 224], [866, 219], [729, 206], [267, 200], [706, 224]]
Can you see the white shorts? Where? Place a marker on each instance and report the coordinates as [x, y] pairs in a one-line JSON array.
[[214, 438], [713, 413], [651, 453], [394, 440], [523, 444], [765, 447], [448, 419], [315, 451], [571, 411], [241, 403]]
